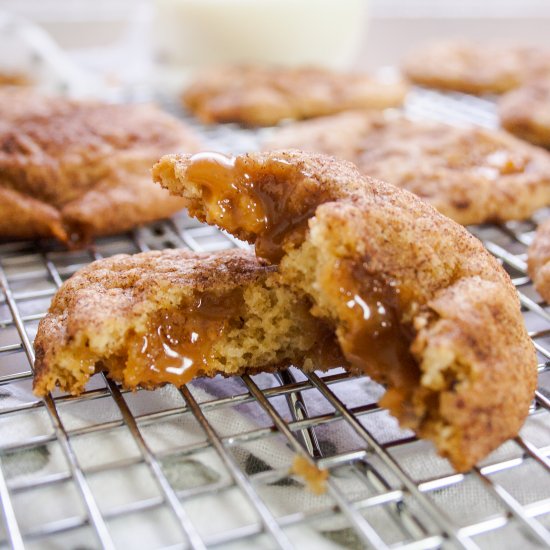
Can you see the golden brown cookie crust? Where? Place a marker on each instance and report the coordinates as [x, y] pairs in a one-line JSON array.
[[79, 169], [538, 260], [525, 112], [472, 175], [263, 96], [101, 313], [455, 305], [475, 68]]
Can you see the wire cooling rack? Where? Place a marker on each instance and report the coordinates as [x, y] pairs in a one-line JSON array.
[[208, 465]]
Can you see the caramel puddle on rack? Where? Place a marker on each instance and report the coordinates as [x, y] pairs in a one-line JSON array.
[[238, 197], [178, 343]]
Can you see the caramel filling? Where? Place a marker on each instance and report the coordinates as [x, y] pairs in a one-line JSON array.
[[488, 158], [177, 344], [372, 336], [260, 202], [257, 202]]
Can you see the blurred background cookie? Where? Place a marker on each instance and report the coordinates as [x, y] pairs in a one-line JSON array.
[[256, 95], [73, 169], [538, 260], [472, 175], [474, 68], [525, 112]]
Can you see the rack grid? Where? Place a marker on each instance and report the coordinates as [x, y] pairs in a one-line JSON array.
[[207, 465]]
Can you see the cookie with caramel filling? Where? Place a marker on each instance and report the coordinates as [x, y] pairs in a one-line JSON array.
[[73, 170], [538, 260], [525, 112], [416, 301], [472, 175], [256, 95], [166, 317], [475, 68]]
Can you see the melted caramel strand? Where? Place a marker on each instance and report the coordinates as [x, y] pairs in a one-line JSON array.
[[177, 344], [373, 338], [228, 191], [239, 197]]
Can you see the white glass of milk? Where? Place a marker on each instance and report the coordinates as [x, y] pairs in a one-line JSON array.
[[191, 34]]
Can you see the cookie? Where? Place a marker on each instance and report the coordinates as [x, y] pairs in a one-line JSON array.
[[263, 96], [415, 300], [475, 68], [167, 316], [73, 170], [472, 175], [538, 260], [525, 112]]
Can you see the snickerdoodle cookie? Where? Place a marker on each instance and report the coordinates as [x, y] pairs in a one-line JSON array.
[[538, 260], [73, 169], [415, 300], [525, 112], [475, 68], [472, 175], [165, 317], [254, 95]]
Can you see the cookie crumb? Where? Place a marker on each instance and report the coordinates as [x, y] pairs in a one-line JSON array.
[[315, 478]]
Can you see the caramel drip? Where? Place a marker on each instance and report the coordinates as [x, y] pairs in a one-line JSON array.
[[177, 344], [372, 337], [256, 202]]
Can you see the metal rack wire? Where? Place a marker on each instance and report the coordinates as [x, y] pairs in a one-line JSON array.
[[396, 502]]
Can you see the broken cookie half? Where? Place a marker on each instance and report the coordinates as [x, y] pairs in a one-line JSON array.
[[165, 317], [415, 301]]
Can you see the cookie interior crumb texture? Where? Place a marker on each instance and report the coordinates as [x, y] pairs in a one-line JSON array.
[[166, 317], [415, 300]]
